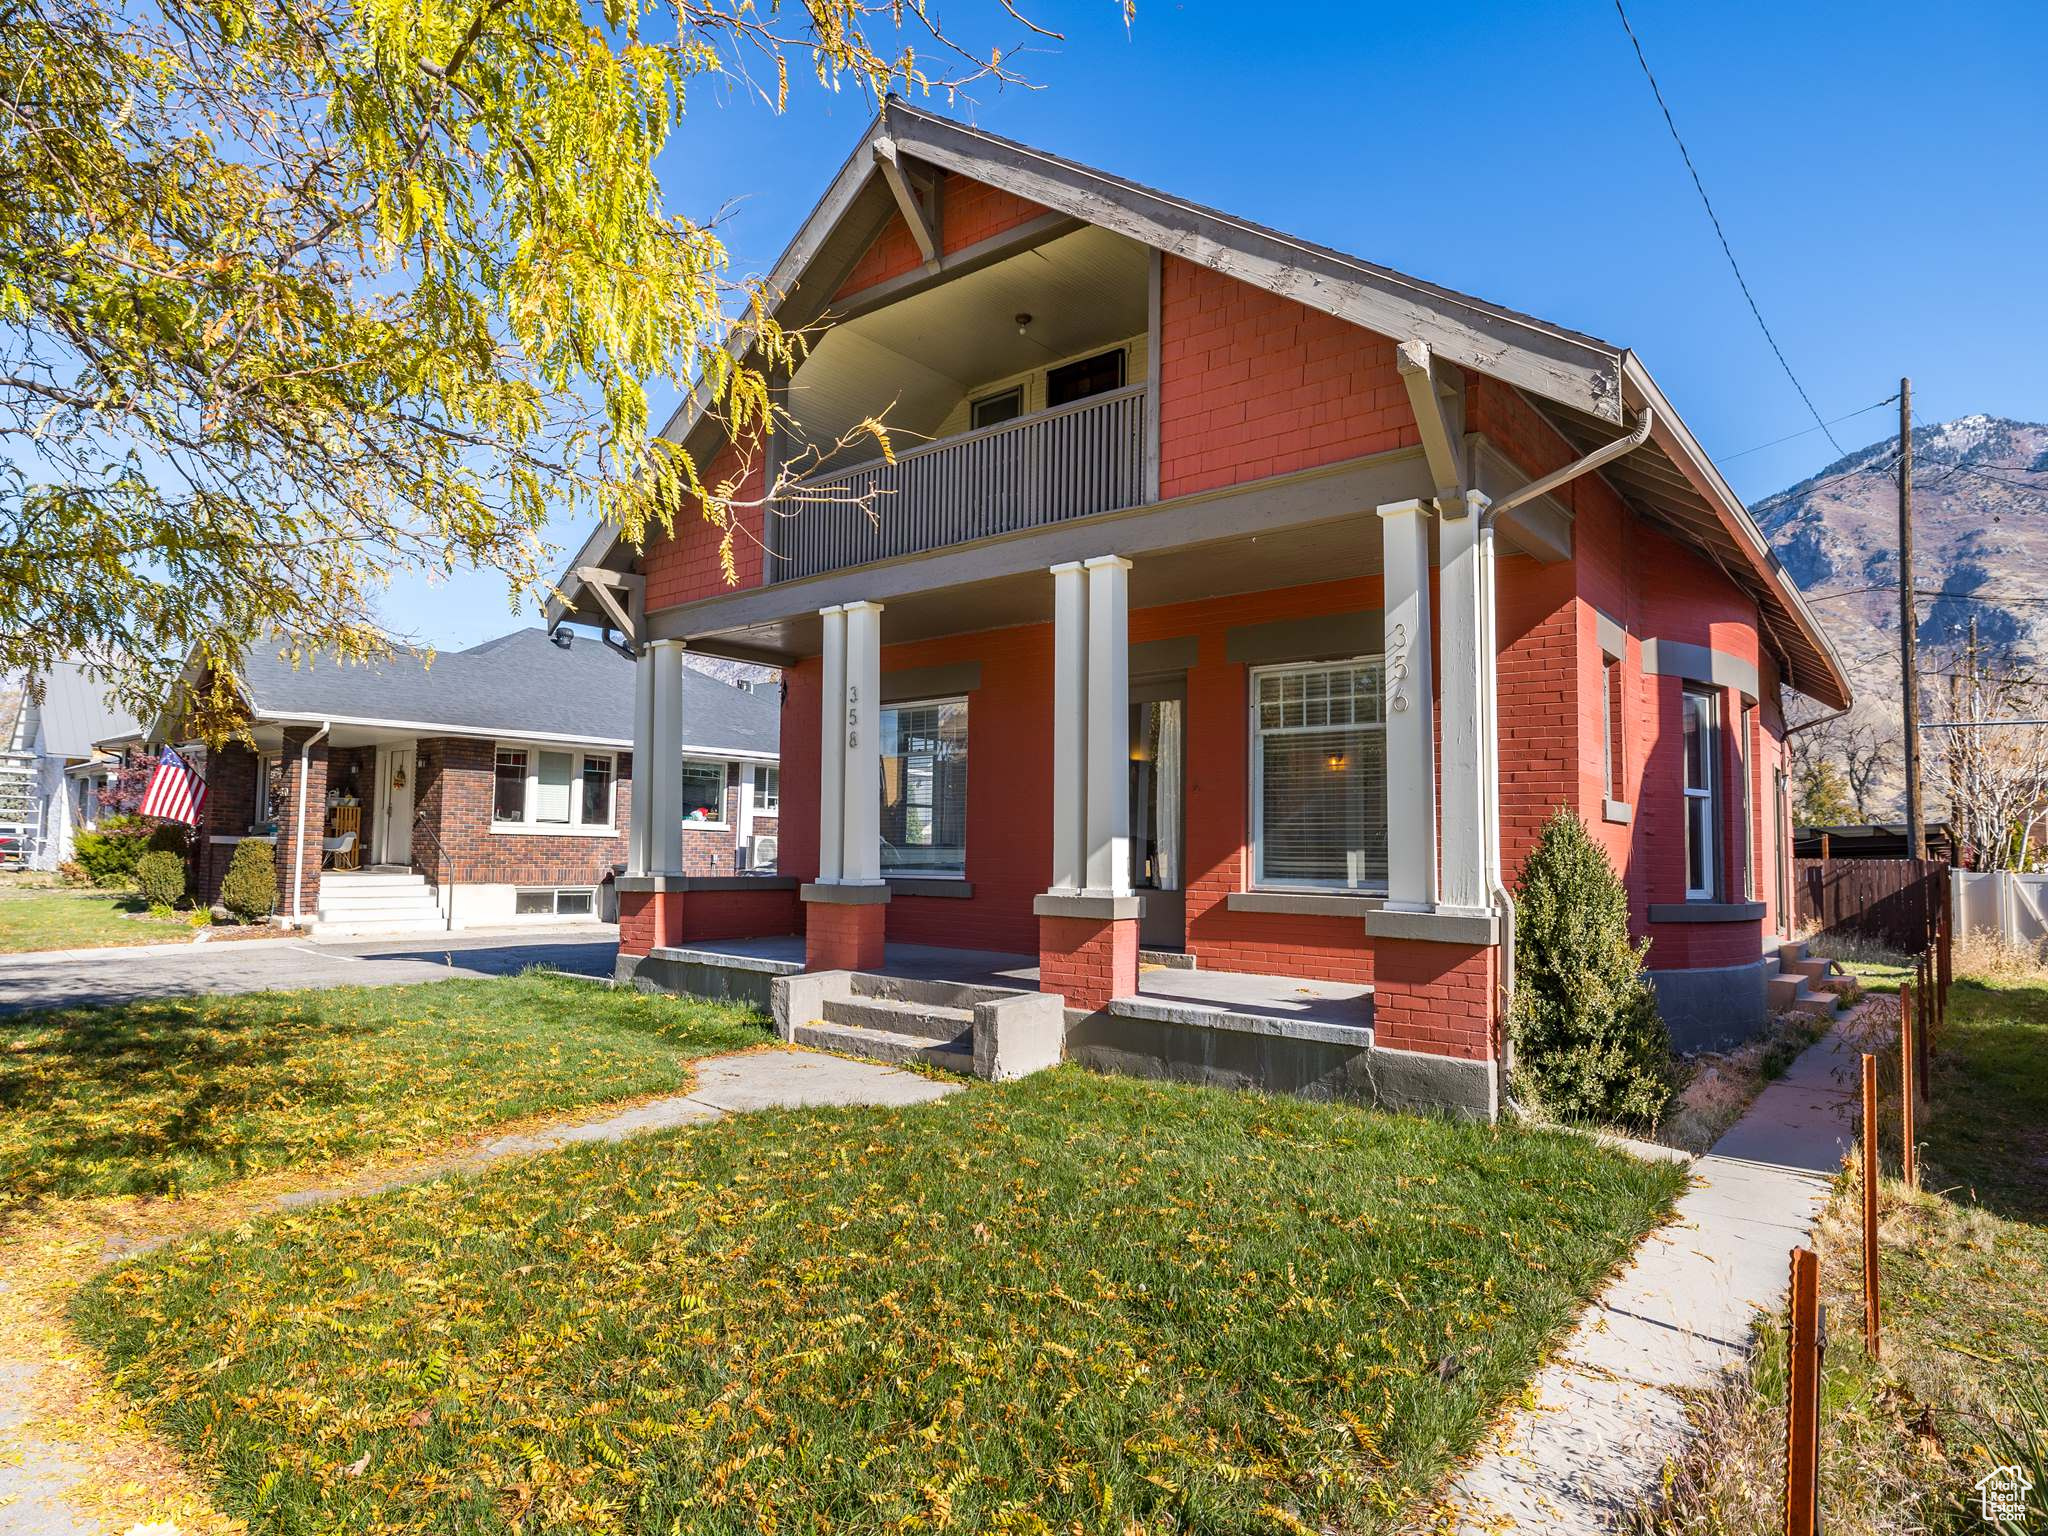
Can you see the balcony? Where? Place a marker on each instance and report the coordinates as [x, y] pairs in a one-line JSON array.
[[1072, 461]]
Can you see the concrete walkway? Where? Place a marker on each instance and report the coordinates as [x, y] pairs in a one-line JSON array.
[[1607, 1415], [37, 1474], [72, 978]]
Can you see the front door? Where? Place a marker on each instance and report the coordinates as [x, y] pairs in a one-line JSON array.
[[397, 770], [1158, 780]]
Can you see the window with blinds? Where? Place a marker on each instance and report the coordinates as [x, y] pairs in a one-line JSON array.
[[1319, 771]]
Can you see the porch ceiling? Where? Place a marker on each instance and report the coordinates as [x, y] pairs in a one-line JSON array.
[[921, 355]]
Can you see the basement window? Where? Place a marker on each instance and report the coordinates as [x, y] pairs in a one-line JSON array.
[[556, 901]]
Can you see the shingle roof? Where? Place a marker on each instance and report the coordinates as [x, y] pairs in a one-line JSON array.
[[518, 684]]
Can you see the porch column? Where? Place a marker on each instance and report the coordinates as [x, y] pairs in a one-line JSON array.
[[637, 836], [832, 747], [1410, 707], [1465, 798], [845, 907], [1069, 726], [665, 799], [1088, 921]]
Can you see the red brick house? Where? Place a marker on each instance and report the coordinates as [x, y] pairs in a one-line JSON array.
[[493, 787], [1241, 607]]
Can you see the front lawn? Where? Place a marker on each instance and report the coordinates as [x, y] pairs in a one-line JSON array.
[[1069, 1303], [32, 919], [183, 1093]]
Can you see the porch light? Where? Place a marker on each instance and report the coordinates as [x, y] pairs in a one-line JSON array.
[[1338, 762], [1023, 321]]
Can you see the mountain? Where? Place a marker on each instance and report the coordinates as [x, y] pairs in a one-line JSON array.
[[1980, 549]]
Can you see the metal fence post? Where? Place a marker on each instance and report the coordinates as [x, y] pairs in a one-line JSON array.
[[1870, 1323], [1909, 1050], [1802, 1398]]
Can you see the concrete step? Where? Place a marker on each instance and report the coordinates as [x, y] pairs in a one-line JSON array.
[[352, 927], [373, 884], [1167, 959], [926, 1021], [1791, 952], [1813, 968], [373, 901], [1784, 990], [887, 1046], [1820, 1004], [926, 991]]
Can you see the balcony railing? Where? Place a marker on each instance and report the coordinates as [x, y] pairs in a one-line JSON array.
[[1048, 467]]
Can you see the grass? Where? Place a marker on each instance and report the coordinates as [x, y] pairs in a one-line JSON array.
[[1963, 1274], [34, 918], [1069, 1303], [1716, 1087], [186, 1093]]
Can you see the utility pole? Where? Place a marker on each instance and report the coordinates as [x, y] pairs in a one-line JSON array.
[[1909, 667]]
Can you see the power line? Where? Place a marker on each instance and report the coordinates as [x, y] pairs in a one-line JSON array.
[[1893, 586], [1807, 431], [1726, 249]]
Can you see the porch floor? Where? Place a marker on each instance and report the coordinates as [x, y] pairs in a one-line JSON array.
[[1291, 1005]]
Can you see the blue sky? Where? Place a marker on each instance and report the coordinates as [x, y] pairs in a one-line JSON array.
[[1879, 169]]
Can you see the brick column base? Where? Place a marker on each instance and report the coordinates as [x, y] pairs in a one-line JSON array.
[[844, 926], [637, 928], [1436, 998], [1087, 947]]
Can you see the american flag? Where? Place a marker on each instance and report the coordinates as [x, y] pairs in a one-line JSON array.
[[175, 792]]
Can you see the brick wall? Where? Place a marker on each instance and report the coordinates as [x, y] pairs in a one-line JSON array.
[[687, 565], [1087, 960], [230, 811], [294, 834], [456, 781], [1252, 384], [1436, 998]]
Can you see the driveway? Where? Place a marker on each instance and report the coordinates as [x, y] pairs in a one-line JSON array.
[[262, 965]]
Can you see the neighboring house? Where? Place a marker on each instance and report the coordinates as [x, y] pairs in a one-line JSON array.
[[51, 771], [494, 786], [1249, 604]]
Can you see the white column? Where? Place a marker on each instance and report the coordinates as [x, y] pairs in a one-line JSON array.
[[1411, 744], [1069, 726], [665, 810], [1109, 726], [832, 749], [1464, 800], [637, 849], [861, 858]]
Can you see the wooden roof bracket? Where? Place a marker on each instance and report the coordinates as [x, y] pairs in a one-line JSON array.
[[623, 597], [1436, 391], [916, 191]]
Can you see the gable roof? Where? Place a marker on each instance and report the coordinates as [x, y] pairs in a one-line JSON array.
[[77, 710], [1588, 389], [521, 684]]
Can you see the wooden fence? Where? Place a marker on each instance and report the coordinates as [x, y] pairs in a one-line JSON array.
[[1889, 901]]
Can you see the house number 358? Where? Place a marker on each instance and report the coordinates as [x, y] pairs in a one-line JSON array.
[[852, 719]]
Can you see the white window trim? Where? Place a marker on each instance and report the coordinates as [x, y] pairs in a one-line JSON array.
[[922, 872], [770, 805], [572, 827], [1709, 747], [724, 822], [1257, 776], [261, 799]]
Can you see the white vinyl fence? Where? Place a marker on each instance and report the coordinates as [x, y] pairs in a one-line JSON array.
[[2015, 907]]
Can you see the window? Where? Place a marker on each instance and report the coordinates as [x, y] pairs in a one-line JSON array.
[[767, 790], [992, 409], [577, 901], [1698, 727], [1090, 376], [596, 809], [703, 793], [1744, 743], [270, 795], [552, 789], [924, 788], [1610, 714], [508, 798], [551, 803], [1319, 772]]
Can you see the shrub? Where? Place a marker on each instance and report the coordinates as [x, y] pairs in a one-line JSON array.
[[110, 852], [249, 889], [161, 876], [1589, 1042], [71, 872]]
